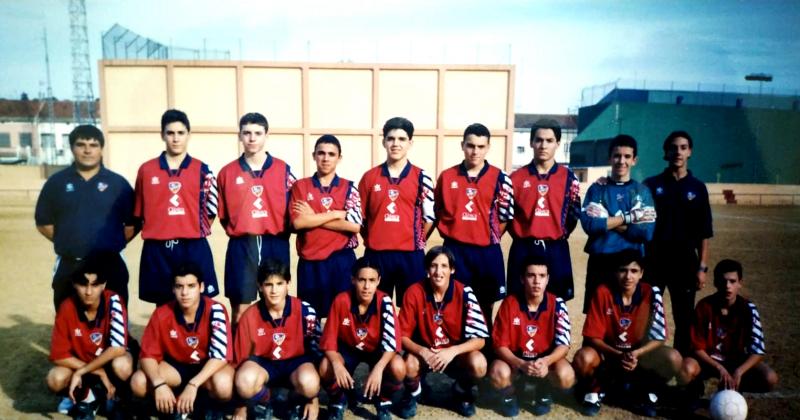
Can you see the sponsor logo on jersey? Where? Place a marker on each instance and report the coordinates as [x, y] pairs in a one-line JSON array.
[[531, 330], [542, 209], [175, 209], [326, 202], [259, 212], [440, 339], [154, 181], [239, 180], [361, 333], [192, 342], [102, 186], [392, 215], [70, 187], [96, 338], [173, 334], [278, 338], [78, 332]]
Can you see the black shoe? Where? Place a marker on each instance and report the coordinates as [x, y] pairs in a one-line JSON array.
[[214, 415], [591, 404], [408, 407], [466, 408], [383, 410], [262, 411], [296, 413], [336, 410], [509, 407], [647, 407], [85, 411], [543, 402]]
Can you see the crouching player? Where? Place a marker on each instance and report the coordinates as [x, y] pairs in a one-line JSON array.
[[531, 338], [277, 344], [362, 327], [89, 343], [727, 339], [624, 338], [186, 347], [443, 330]]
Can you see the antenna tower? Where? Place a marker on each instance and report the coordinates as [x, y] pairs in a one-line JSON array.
[[81, 71]]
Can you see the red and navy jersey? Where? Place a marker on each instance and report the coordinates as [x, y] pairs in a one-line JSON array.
[[626, 327], [454, 320], [318, 243], [175, 204], [377, 329], [396, 209], [294, 334], [727, 337], [169, 337], [255, 202], [471, 209], [76, 336], [530, 335], [547, 206]]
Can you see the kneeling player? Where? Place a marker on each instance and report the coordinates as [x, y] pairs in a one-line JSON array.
[[441, 323], [624, 338], [277, 344], [186, 346], [89, 343], [362, 327], [531, 339], [727, 339]]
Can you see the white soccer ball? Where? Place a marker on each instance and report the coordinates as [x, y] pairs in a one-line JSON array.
[[728, 405]]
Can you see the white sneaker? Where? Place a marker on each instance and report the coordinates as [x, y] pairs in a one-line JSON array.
[[65, 405]]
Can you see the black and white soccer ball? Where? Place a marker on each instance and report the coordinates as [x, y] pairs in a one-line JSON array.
[[728, 405]]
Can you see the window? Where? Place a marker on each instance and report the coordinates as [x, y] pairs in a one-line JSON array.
[[520, 149], [5, 140], [48, 140], [65, 141], [25, 140]]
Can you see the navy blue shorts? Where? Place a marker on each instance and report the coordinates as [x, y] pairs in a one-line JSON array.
[[399, 269], [160, 258], [244, 255], [352, 358], [280, 371], [185, 370], [556, 252], [318, 282], [480, 267]]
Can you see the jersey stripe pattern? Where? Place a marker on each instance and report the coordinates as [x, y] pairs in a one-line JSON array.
[[311, 330], [424, 210], [658, 328], [388, 335], [756, 334], [218, 344], [505, 204], [117, 328], [475, 325], [563, 326], [208, 200]]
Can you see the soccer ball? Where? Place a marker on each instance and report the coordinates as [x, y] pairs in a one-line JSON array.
[[728, 405]]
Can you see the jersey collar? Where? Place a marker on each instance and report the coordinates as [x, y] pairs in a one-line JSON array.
[[448, 295], [287, 310], [462, 170], [667, 176], [534, 172], [176, 309], [101, 308], [523, 305], [372, 308], [246, 166], [162, 161], [635, 301], [403, 173], [318, 185], [74, 172]]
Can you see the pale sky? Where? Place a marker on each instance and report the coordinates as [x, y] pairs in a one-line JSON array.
[[558, 47]]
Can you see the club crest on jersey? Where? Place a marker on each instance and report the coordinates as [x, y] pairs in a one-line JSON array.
[[361, 333], [257, 190], [239, 180], [102, 186], [624, 323], [70, 187], [543, 189], [96, 337], [192, 342], [437, 318], [326, 202], [531, 330], [154, 181], [278, 338], [454, 185], [690, 196], [393, 194], [471, 192], [515, 321], [174, 186], [542, 209]]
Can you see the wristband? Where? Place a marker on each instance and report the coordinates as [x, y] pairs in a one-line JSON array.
[[162, 383], [627, 218], [703, 268]]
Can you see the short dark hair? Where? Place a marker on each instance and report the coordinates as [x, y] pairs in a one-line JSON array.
[[674, 135], [440, 250], [547, 123], [273, 267], [623, 140], [628, 256], [398, 123], [88, 132], [726, 266], [478, 130], [186, 268], [254, 118], [365, 262], [174, 115], [533, 260], [328, 139], [95, 263]]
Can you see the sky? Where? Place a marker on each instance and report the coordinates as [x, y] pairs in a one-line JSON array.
[[558, 48]]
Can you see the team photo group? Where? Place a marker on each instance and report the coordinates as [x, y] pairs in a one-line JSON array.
[[501, 331]]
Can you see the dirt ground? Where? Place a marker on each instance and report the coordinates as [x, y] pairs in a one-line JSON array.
[[766, 240]]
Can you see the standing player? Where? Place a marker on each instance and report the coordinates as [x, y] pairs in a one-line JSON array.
[[176, 199], [83, 209], [397, 204], [531, 337], [474, 201], [277, 344], [89, 342], [362, 327], [727, 339], [546, 211], [253, 200], [618, 215], [186, 346], [678, 253], [443, 330], [623, 340], [326, 212]]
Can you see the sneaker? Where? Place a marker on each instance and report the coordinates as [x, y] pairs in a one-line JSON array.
[[336, 410], [383, 410], [85, 411], [466, 408], [647, 408], [296, 413], [408, 408], [543, 402], [262, 412], [590, 406], [65, 405], [509, 407]]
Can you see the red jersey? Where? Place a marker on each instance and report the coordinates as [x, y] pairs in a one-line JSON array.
[[318, 243], [626, 327], [169, 337], [346, 327], [454, 320], [730, 337], [470, 210], [396, 209], [76, 336], [294, 334], [530, 335], [255, 202], [175, 204], [547, 206]]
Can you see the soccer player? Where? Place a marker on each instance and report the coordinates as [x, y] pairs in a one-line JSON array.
[[397, 204], [277, 344], [326, 213], [253, 200], [362, 327], [623, 341], [443, 330], [83, 209], [678, 254], [531, 337], [89, 340], [727, 339], [618, 215], [473, 203], [546, 211], [186, 347], [176, 200]]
